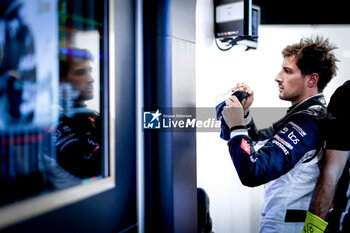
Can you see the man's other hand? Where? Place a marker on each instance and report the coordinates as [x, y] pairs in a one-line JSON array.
[[233, 112]]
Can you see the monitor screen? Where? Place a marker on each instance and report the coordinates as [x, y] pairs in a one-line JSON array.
[[255, 20], [229, 18], [236, 18], [230, 12]]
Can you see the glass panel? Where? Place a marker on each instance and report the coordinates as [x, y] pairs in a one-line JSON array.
[[51, 77]]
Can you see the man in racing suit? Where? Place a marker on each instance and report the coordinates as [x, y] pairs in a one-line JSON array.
[[285, 156]]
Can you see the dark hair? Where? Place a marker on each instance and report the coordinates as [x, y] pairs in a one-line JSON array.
[[68, 56], [314, 55]]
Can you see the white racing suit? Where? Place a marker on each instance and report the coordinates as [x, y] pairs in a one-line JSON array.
[[285, 159]]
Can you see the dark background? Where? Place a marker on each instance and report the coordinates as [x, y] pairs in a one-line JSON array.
[[303, 11]]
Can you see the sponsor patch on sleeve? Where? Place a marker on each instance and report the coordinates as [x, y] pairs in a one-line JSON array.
[[284, 142], [281, 146], [245, 146], [297, 128]]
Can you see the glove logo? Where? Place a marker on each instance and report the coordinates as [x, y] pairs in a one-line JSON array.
[[245, 146]]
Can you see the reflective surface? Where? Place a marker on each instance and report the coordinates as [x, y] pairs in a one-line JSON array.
[[51, 68]]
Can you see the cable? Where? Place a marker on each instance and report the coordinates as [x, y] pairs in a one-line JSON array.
[[232, 41], [223, 96]]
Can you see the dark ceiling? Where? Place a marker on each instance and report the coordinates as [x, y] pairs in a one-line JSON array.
[[304, 11]]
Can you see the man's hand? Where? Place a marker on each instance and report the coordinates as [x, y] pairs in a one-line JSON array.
[[245, 88], [233, 112]]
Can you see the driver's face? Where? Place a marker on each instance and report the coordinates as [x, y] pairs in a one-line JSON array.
[[80, 77]]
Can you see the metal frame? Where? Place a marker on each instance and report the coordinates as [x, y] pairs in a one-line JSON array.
[[139, 106]]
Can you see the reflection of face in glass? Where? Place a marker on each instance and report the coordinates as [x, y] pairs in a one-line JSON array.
[[80, 77], [78, 139]]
